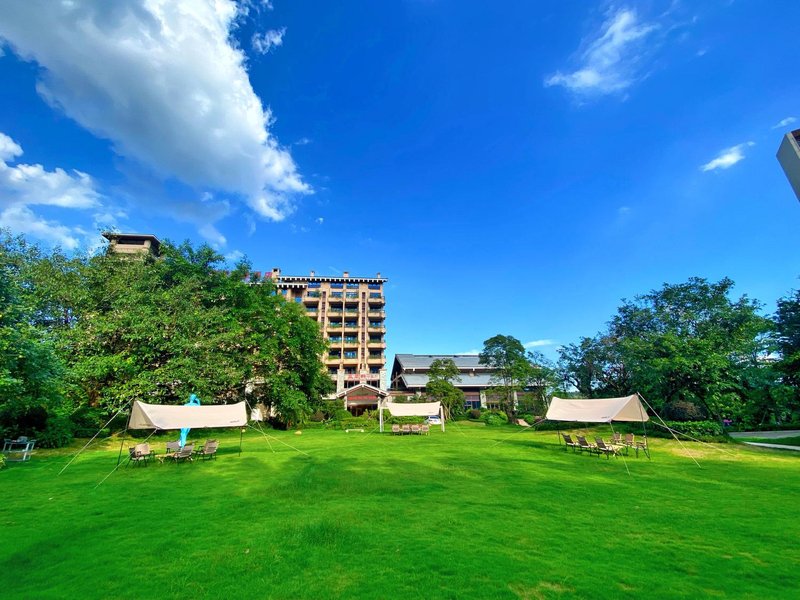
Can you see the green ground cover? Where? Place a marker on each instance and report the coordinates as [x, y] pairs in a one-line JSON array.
[[453, 515]]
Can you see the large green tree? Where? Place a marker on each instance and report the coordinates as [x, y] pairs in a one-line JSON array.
[[689, 348], [31, 374], [441, 375], [513, 369]]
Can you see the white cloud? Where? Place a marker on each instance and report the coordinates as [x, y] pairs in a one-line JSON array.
[[164, 82], [265, 42], [23, 186], [473, 352], [610, 61], [784, 122], [727, 157], [538, 343], [320, 220], [234, 257]]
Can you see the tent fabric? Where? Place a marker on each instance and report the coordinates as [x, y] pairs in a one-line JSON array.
[[413, 409], [600, 410], [159, 416]]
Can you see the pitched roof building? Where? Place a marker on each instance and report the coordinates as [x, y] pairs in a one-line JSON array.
[[410, 375]]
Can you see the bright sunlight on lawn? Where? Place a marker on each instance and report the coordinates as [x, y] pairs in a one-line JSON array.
[[455, 515]]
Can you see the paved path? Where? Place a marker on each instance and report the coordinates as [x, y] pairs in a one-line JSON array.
[[768, 435], [775, 446]]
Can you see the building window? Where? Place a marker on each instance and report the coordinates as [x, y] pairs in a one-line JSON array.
[[374, 286], [375, 370], [376, 324], [374, 294], [337, 286], [351, 355], [313, 284], [350, 370], [336, 294], [469, 404], [352, 286]]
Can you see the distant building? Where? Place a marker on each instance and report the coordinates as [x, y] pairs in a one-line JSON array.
[[410, 374], [132, 243], [350, 311], [789, 157]]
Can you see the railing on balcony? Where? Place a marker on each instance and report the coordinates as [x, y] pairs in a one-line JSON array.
[[334, 325], [313, 295]]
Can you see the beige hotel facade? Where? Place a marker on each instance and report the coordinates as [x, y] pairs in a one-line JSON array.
[[352, 316]]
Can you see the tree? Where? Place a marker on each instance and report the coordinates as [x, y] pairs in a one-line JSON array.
[[787, 338], [440, 388], [31, 375], [512, 369], [684, 343]]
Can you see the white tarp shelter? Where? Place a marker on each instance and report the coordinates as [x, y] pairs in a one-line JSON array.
[[412, 409], [600, 410], [160, 416]]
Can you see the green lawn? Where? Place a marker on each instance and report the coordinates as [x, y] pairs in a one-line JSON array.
[[451, 515]]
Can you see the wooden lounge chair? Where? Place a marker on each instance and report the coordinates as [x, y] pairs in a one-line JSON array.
[[140, 454], [602, 448], [173, 446], [568, 443], [406, 429], [617, 439], [628, 439], [584, 445], [643, 447], [208, 450], [396, 429], [425, 429], [184, 453], [415, 429]]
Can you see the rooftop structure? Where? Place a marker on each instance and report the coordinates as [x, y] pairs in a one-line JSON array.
[[789, 157], [410, 374], [350, 311], [132, 243]]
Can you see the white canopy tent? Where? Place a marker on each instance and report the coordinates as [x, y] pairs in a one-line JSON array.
[[412, 409], [162, 416], [600, 410]]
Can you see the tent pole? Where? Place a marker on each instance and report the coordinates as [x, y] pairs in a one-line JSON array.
[[441, 416], [670, 430], [119, 457], [241, 435], [380, 417]]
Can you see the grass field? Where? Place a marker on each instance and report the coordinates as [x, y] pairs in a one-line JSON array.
[[453, 515]]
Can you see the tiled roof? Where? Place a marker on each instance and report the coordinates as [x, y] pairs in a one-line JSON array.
[[420, 380], [423, 361]]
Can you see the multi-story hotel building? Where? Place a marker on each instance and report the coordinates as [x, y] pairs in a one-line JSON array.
[[789, 157], [350, 311]]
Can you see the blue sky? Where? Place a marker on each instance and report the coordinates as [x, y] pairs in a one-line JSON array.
[[515, 168]]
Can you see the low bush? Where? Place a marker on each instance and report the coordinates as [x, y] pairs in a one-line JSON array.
[[495, 417], [317, 417], [313, 425], [2, 461], [57, 432], [474, 413], [342, 414]]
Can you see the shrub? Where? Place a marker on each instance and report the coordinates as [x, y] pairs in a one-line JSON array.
[[681, 410], [495, 417], [474, 413], [2, 461], [317, 417], [57, 432], [342, 414]]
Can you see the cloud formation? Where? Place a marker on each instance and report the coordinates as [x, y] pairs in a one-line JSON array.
[[538, 343], [163, 81], [265, 42], [784, 122], [610, 60], [727, 157], [23, 186]]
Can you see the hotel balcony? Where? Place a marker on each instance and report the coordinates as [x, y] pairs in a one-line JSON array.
[[376, 313], [372, 344], [376, 359], [376, 300], [376, 329]]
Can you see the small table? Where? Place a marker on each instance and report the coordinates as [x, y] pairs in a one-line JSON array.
[[18, 450]]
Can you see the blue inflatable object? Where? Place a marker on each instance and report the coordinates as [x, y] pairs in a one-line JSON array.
[[193, 401]]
